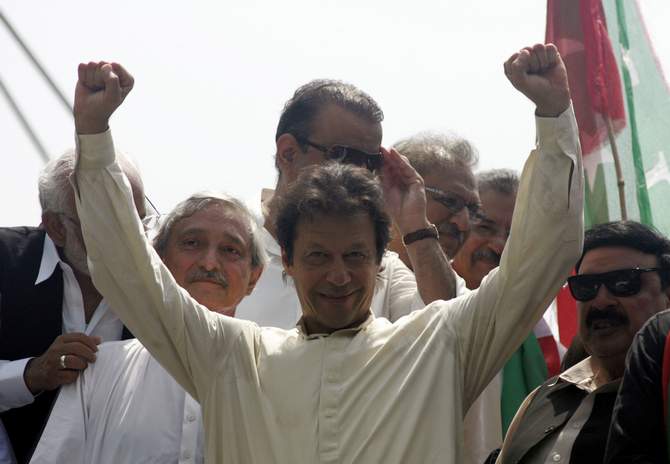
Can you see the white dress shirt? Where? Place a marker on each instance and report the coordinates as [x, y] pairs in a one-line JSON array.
[[13, 390], [125, 408], [6, 453], [379, 392], [274, 301]]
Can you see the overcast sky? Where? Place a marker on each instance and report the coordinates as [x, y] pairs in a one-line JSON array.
[[212, 77]]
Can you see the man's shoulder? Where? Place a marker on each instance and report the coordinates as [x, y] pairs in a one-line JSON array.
[[19, 240], [119, 351]]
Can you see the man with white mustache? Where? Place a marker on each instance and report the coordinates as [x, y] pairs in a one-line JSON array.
[[126, 407]]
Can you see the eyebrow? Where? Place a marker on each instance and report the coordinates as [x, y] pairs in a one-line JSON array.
[[200, 231]]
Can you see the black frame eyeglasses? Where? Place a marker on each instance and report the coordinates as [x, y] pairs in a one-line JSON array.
[[620, 283], [348, 155], [453, 202]]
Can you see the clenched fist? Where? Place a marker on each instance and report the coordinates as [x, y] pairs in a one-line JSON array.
[[539, 73], [101, 88]]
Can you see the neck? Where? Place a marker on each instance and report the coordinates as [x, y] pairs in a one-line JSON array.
[[608, 369], [89, 294]]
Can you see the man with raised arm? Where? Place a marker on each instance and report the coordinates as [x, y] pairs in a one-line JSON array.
[[342, 386]]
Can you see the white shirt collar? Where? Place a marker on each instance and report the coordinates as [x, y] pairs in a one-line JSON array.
[[50, 259]]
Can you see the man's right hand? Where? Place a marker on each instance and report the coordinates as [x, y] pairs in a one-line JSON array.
[[46, 372], [101, 88]]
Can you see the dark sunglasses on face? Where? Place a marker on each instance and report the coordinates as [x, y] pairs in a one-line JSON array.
[[348, 155], [454, 203], [623, 282]]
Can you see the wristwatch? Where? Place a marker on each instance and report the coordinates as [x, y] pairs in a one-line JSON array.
[[427, 232]]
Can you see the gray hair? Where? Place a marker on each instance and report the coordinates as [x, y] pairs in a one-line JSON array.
[[428, 151], [55, 191], [53, 184], [503, 181], [198, 202]]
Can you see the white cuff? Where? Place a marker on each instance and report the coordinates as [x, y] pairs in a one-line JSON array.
[[95, 151], [14, 392]]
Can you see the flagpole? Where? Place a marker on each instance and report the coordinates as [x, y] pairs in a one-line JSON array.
[[617, 167]]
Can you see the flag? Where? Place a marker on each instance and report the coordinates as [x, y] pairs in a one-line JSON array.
[[523, 372], [616, 80]]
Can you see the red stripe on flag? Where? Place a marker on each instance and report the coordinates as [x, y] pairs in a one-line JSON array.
[[579, 30], [551, 356], [566, 311]]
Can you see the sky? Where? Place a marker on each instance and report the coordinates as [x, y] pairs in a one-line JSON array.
[[211, 79]]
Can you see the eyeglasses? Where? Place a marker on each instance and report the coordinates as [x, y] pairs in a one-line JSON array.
[[453, 202], [623, 282], [348, 155]]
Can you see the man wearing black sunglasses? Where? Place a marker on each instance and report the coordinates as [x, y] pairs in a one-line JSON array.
[[329, 121], [623, 279]]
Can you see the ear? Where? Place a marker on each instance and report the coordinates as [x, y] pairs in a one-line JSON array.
[[54, 227], [253, 278], [288, 268], [287, 150]]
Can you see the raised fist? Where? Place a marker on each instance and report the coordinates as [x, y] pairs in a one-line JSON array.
[[101, 88], [538, 72]]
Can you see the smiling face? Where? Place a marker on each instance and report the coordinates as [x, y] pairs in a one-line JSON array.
[[334, 269], [209, 255], [482, 250], [608, 323]]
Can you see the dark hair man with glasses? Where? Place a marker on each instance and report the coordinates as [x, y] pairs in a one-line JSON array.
[[51, 315], [445, 161], [621, 281], [329, 121]]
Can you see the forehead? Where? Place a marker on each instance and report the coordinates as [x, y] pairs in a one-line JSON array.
[[334, 125], [216, 220], [497, 206], [605, 259], [455, 178], [335, 232]]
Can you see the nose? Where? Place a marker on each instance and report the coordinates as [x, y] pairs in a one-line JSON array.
[[338, 274], [497, 244], [461, 220], [603, 298], [208, 259]]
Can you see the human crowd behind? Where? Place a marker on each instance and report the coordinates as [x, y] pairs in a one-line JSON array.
[[370, 316]]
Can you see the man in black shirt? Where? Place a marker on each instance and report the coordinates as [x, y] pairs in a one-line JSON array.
[[639, 433]]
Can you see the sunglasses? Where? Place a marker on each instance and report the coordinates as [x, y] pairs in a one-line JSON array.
[[624, 282], [348, 155], [454, 203]]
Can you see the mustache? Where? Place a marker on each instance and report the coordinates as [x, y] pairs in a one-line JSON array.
[[607, 314], [208, 276], [487, 255]]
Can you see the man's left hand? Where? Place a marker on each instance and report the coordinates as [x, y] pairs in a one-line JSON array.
[[403, 192]]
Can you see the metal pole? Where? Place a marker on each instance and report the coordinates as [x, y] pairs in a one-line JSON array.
[[38, 65], [24, 122]]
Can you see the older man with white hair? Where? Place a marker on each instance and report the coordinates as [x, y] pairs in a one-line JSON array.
[[126, 407], [51, 315]]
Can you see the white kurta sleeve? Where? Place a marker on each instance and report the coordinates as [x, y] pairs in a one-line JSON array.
[[190, 342], [544, 243]]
